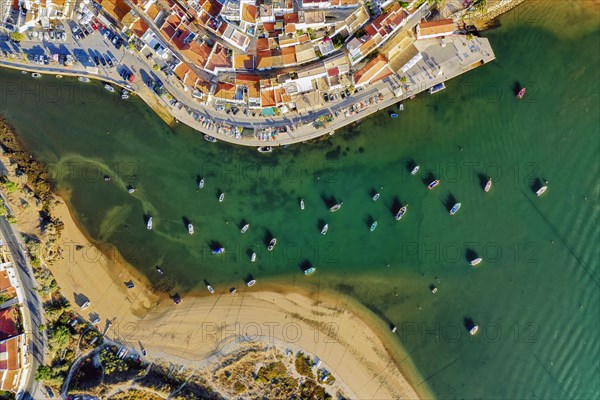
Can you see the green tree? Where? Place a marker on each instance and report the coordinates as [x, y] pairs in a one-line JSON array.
[[403, 79], [17, 36], [43, 373], [470, 36], [156, 67]]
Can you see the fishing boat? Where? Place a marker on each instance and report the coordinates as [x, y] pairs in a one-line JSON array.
[[309, 271], [433, 184], [245, 228], [124, 96], [541, 190], [210, 289], [401, 213], [373, 226], [265, 149], [401, 107], [473, 330], [109, 88], [476, 261], [24, 72], [219, 250], [149, 224], [190, 229], [159, 270], [83, 79], [130, 190], [221, 197], [455, 208], [336, 207], [415, 170], [302, 204], [488, 185], [434, 290], [393, 115], [251, 282], [394, 329], [272, 244], [36, 75], [324, 229], [59, 76], [253, 257], [209, 138], [376, 197], [201, 183], [232, 291], [521, 93]]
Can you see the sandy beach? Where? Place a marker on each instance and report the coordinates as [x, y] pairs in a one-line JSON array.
[[200, 327]]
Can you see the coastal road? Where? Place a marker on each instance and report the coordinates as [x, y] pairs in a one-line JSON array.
[[33, 312]]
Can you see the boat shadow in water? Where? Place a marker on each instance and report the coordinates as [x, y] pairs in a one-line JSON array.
[[186, 221], [537, 184], [267, 237], [242, 223], [395, 206], [516, 88], [206, 282], [428, 178], [248, 278], [147, 218], [468, 323], [320, 224], [304, 265], [214, 245], [410, 165], [329, 201], [483, 180], [449, 202], [369, 221], [470, 254]]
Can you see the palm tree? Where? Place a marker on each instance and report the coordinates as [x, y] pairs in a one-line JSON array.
[[403, 79]]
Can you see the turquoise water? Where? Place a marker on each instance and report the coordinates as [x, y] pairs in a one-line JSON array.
[[535, 296]]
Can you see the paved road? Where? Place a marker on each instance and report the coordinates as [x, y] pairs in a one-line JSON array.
[[32, 309]]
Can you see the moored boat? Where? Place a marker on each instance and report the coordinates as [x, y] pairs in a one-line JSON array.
[[336, 207], [376, 197], [401, 213], [488, 185], [124, 96], [190, 229], [541, 190], [59, 76], [209, 138], [232, 291], [434, 290], [219, 250], [393, 115], [309, 271], [455, 208], [24, 72], [473, 330], [521, 93], [373, 226], [265, 149], [245, 228], [415, 170], [83, 79], [324, 229], [433, 184], [394, 329], [210, 289], [201, 183], [130, 190], [401, 107], [159, 270], [302, 204], [109, 88], [253, 257], [221, 197], [251, 282], [476, 261], [149, 224], [272, 244], [36, 75]]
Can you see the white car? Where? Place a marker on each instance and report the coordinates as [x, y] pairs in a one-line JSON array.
[[46, 36]]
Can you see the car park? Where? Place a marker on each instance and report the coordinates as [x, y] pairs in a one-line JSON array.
[[96, 60]]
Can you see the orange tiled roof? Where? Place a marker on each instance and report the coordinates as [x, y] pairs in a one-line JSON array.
[[243, 61], [181, 70], [225, 91], [262, 44], [197, 53], [4, 281], [212, 7], [267, 98], [115, 8], [264, 59], [8, 323], [139, 27], [291, 18], [436, 27], [281, 96], [249, 13], [288, 55], [375, 70], [153, 11]]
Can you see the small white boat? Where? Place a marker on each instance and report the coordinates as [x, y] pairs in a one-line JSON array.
[[201, 183], [59, 76], [124, 96], [373, 226], [401, 213], [415, 170], [221, 197], [83, 79], [324, 229], [209, 138], [488, 185], [476, 261], [245, 228], [210, 289], [130, 190], [541, 190], [251, 283], [401, 107], [265, 149], [336, 207], [473, 330], [109, 88], [149, 224], [160, 271], [272, 244], [434, 290], [376, 197], [455, 209], [232, 291], [190, 229], [309, 271], [302, 204], [24, 72], [253, 257], [36, 75], [394, 329]]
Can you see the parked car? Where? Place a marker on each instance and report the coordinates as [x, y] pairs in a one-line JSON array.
[[103, 61], [52, 35], [108, 34], [109, 61], [96, 60]]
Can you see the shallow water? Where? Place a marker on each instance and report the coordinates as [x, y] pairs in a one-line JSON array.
[[535, 296]]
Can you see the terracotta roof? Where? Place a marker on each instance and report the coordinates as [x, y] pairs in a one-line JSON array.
[[212, 7], [8, 323], [219, 58], [249, 13], [264, 60], [267, 98], [281, 96], [197, 53], [262, 44], [243, 61], [181, 70], [436, 27], [251, 81], [139, 27], [291, 18], [115, 8], [375, 70], [225, 91], [288, 55], [4, 281]]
